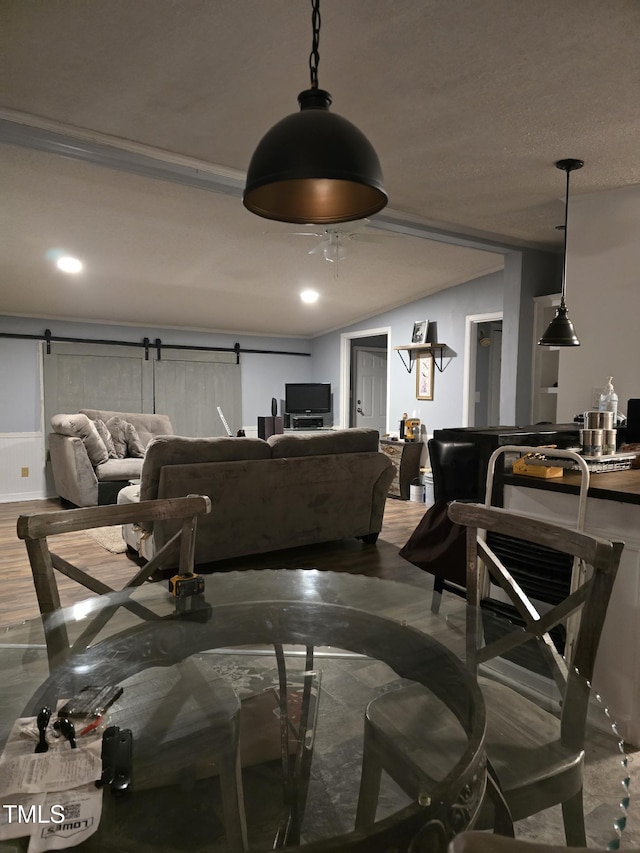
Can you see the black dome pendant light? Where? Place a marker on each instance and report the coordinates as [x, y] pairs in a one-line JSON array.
[[314, 166], [560, 331]]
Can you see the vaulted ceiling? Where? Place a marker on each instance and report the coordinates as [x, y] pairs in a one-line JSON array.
[[129, 127]]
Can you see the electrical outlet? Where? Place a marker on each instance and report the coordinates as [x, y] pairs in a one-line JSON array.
[[24, 472]]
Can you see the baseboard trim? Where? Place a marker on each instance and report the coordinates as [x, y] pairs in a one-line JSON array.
[[24, 496]]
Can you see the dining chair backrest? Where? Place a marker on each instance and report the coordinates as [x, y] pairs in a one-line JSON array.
[[36, 529], [588, 602]]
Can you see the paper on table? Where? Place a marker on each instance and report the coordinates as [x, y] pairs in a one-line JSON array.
[[10, 824], [54, 819], [82, 808], [23, 771], [58, 769]]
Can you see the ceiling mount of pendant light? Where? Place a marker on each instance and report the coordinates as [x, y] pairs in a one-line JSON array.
[[314, 166], [560, 331]]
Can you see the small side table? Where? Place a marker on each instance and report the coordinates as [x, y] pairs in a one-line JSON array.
[[405, 456]]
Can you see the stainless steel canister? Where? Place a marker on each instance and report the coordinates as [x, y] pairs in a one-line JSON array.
[[609, 440], [591, 440], [598, 420]]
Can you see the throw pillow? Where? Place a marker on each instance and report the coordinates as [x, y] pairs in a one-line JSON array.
[[80, 426], [126, 440], [115, 426], [135, 447], [105, 435]]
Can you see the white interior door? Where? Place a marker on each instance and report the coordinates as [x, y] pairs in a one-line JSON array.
[[481, 404], [495, 370], [370, 388]]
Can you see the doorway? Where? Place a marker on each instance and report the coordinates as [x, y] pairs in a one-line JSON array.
[[483, 367], [364, 386]]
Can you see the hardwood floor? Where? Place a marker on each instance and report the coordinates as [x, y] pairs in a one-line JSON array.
[[18, 599]]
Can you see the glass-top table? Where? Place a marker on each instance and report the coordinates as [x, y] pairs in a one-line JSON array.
[[246, 710]]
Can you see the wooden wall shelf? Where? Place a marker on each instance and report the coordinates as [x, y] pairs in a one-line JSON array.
[[415, 349]]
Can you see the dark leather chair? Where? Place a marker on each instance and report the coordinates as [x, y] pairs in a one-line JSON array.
[[633, 421], [455, 466]]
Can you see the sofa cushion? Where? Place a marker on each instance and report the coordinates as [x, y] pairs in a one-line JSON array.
[[105, 435], [125, 438], [80, 426], [148, 425], [178, 450], [119, 469], [359, 440]]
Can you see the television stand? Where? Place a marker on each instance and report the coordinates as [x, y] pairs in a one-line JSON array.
[[307, 422]]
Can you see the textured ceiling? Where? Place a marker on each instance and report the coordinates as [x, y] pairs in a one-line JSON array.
[[468, 105]]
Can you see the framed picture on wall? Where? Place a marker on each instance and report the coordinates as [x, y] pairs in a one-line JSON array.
[[420, 329], [424, 376]]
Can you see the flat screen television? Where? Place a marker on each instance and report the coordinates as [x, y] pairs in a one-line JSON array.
[[307, 398]]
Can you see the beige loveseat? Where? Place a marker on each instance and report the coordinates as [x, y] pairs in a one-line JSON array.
[[287, 491], [86, 470]]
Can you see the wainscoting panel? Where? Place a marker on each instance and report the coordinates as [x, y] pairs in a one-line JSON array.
[[18, 451]]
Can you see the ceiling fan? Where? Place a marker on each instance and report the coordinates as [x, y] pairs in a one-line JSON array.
[[334, 239]]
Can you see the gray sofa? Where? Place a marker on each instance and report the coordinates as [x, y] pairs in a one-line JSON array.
[[86, 470], [287, 491]]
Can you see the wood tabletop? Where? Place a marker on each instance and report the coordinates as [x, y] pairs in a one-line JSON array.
[[623, 486]]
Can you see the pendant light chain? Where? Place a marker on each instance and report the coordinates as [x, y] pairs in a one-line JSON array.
[[314, 56]]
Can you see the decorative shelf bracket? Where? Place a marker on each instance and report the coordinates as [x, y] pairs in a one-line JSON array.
[[415, 349]]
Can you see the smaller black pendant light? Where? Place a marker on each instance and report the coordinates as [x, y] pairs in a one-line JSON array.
[[560, 331], [314, 167]]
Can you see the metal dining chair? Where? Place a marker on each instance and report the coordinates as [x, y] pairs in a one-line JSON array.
[[537, 755]]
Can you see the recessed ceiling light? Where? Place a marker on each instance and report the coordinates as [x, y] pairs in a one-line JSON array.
[[68, 264], [309, 296]]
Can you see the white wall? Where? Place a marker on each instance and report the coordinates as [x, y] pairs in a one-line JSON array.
[[446, 310], [603, 297]]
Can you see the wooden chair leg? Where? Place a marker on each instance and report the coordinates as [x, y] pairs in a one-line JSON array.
[[502, 821], [370, 779], [436, 598], [573, 816], [233, 799]]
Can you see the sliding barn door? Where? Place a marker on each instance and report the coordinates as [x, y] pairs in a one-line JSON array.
[[188, 386], [95, 376]]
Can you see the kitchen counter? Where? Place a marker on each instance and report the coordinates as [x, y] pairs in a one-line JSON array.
[[622, 486], [612, 512]]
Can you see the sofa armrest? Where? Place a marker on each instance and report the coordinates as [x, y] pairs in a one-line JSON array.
[[73, 474]]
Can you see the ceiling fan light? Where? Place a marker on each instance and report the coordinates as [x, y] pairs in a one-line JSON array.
[[314, 167], [560, 331], [334, 252]]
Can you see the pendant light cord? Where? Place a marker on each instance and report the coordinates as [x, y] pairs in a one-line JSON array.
[[314, 56], [567, 166], [564, 263]]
